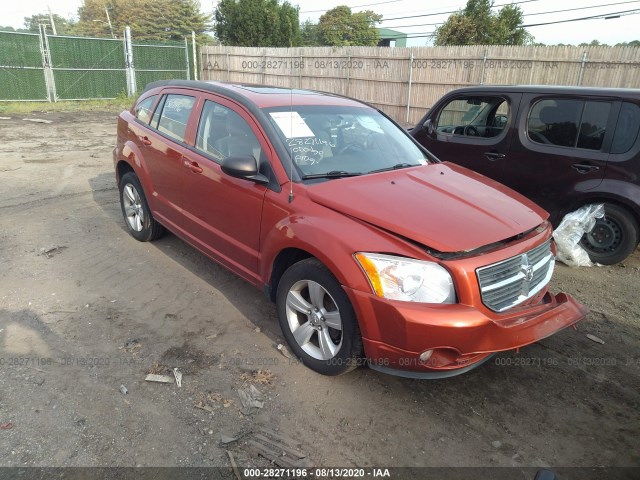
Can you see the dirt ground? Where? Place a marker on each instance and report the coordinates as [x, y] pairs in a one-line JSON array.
[[84, 309]]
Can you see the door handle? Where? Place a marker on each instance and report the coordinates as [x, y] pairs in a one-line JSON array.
[[145, 140], [193, 166], [582, 168], [493, 156]]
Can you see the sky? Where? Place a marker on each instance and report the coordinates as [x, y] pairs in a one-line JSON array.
[[612, 31]]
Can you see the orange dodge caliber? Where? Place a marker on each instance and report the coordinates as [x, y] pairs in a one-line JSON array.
[[373, 250]]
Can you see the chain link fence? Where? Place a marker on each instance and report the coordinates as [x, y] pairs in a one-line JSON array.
[[42, 67]]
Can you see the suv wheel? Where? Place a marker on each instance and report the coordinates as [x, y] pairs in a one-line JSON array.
[[613, 238], [140, 223], [317, 319]]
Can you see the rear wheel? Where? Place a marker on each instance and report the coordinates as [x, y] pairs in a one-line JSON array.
[[137, 216], [613, 238], [317, 319]]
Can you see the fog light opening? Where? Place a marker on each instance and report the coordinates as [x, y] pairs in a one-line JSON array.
[[426, 355]]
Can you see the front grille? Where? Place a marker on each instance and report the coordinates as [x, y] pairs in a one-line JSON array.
[[512, 281]]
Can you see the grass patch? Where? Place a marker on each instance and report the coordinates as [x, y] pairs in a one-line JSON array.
[[115, 105]]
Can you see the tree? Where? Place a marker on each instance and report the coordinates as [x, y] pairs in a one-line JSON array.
[[339, 27], [309, 34], [477, 24], [257, 23], [64, 26], [632, 43], [159, 20]]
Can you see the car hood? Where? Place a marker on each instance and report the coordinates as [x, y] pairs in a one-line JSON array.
[[442, 206]]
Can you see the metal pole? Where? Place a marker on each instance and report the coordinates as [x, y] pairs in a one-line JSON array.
[[53, 24], [195, 60], [48, 65], [484, 63], [582, 65], [44, 62], [106, 10], [410, 82], [131, 72], [186, 54]]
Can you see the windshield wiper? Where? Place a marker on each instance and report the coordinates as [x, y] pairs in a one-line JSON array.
[[397, 166], [331, 174]]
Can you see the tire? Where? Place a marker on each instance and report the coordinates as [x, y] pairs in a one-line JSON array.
[[613, 238], [327, 340], [135, 210]]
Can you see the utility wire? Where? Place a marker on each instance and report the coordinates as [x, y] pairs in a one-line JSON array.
[[603, 15], [594, 17], [524, 15], [355, 6], [453, 11]]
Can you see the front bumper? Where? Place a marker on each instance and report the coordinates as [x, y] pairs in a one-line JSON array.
[[461, 336]]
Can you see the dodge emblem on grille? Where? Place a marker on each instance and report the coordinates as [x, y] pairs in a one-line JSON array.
[[527, 271]]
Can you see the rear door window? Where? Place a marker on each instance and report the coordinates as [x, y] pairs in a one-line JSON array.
[[175, 115], [573, 123]]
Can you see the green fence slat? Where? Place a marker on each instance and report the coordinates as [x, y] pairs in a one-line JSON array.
[[20, 50], [18, 84], [77, 52], [159, 58], [73, 84]]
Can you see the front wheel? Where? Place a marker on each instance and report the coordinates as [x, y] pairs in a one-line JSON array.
[[613, 238], [317, 319]]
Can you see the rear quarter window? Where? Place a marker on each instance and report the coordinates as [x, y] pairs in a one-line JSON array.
[[627, 128], [143, 109]]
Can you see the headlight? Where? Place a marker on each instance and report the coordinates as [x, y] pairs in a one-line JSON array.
[[399, 278]]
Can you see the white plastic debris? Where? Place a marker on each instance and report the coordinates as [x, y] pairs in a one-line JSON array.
[[37, 120], [178, 374], [283, 350], [158, 378], [123, 390], [251, 399], [593, 338], [571, 230]]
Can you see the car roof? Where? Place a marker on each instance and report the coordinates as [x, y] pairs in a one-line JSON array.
[[553, 89], [262, 96]]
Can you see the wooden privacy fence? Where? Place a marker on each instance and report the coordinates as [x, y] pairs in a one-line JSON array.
[[404, 82]]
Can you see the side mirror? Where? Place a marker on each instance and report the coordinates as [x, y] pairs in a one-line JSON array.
[[243, 166], [428, 126]]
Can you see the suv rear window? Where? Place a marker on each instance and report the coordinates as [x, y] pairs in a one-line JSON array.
[[569, 123]]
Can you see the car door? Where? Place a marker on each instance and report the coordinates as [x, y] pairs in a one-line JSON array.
[[163, 146], [561, 150], [223, 213], [472, 129]]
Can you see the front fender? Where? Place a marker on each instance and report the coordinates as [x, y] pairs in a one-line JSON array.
[[329, 236]]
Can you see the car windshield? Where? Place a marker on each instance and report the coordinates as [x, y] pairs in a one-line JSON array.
[[331, 142]]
